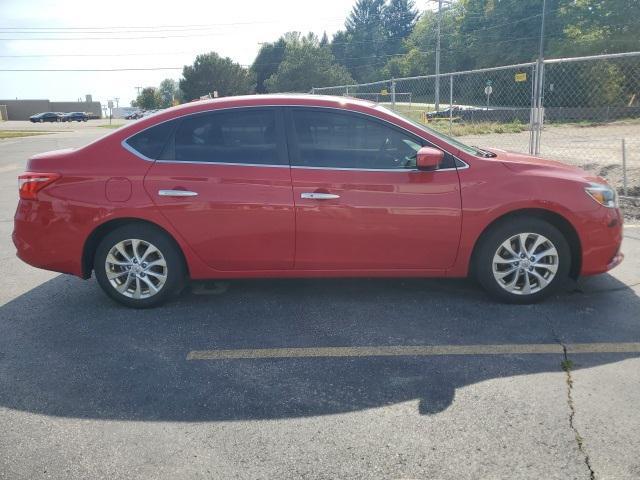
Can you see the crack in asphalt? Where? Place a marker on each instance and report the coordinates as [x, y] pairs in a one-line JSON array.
[[566, 366]]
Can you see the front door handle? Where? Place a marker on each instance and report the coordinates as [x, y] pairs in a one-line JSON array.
[[176, 193], [319, 196]]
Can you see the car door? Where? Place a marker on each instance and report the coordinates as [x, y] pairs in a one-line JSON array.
[[223, 182], [361, 203]]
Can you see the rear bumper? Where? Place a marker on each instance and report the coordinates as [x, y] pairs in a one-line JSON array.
[[44, 241]]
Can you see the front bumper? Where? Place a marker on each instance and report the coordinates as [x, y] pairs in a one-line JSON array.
[[601, 238]]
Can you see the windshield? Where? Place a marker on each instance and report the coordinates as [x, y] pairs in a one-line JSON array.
[[445, 138]]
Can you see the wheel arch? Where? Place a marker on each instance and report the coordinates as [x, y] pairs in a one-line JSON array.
[[555, 219], [98, 233]]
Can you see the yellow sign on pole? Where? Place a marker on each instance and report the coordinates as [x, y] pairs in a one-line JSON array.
[[521, 77]]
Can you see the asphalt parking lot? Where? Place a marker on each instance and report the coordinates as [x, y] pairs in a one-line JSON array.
[[389, 379]]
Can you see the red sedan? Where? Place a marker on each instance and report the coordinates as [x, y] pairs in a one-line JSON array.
[[308, 186]]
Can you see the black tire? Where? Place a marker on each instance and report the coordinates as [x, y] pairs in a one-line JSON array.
[[175, 267], [503, 231]]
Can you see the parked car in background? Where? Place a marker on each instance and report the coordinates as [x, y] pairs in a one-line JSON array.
[[453, 111], [45, 117], [134, 115], [75, 117], [308, 186]]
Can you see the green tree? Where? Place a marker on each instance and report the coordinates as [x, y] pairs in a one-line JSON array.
[[306, 64], [148, 99], [597, 26], [324, 41], [267, 61], [398, 20], [168, 92], [210, 72], [412, 64], [362, 44]]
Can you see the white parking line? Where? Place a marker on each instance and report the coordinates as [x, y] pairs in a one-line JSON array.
[[414, 350]]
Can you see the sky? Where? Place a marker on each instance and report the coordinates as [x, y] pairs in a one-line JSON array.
[[81, 34]]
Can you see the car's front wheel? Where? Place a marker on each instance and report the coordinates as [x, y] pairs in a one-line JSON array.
[[139, 266], [523, 260]]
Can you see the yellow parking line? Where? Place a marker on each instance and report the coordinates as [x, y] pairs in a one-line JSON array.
[[415, 350]]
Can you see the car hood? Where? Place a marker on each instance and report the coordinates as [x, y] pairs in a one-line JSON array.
[[521, 162]]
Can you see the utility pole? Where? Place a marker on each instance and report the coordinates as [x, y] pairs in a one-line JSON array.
[[438, 28], [138, 89], [437, 87], [117, 99]]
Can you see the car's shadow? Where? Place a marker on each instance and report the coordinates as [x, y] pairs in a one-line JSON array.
[[66, 350]]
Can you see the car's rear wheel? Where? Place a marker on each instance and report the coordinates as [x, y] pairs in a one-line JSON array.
[[139, 266], [523, 260]]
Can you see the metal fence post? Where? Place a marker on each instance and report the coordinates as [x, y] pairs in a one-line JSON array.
[[313, 91], [450, 104], [624, 169], [540, 108], [393, 94], [534, 121]]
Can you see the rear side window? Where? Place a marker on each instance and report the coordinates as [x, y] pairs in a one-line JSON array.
[[151, 142], [250, 136]]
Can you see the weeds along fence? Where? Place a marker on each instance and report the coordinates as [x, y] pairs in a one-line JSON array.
[[583, 110]]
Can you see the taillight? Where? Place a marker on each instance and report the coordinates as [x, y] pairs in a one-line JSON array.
[[30, 183]]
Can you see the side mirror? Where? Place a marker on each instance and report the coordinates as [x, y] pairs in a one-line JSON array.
[[429, 158]]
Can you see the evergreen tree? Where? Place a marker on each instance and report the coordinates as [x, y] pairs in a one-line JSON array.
[[398, 19], [267, 62]]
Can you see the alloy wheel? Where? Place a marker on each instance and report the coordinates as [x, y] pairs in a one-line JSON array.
[[525, 263], [136, 268]]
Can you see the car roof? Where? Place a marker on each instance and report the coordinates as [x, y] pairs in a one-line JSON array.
[[274, 99]]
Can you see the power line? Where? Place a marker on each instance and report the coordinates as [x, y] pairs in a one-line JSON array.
[[88, 69], [159, 27], [159, 37], [107, 36], [95, 55], [382, 61]]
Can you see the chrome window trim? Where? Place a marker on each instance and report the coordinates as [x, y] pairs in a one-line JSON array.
[[130, 149], [401, 170], [268, 165]]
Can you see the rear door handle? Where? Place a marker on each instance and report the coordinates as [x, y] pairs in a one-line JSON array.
[[176, 193], [319, 196]]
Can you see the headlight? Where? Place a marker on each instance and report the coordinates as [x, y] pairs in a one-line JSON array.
[[603, 194]]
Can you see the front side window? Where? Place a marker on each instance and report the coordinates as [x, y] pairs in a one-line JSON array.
[[235, 136], [345, 140]]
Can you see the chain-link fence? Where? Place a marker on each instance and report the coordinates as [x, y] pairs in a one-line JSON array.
[[589, 109]]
